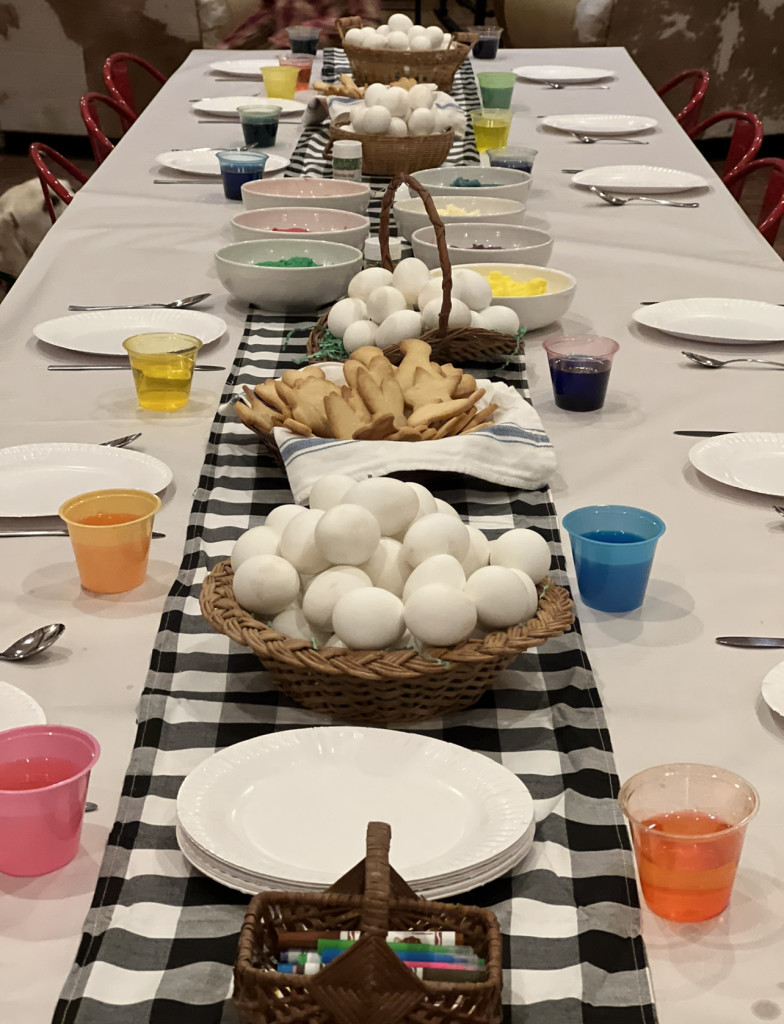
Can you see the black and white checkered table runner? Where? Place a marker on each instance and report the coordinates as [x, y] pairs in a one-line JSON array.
[[160, 939]]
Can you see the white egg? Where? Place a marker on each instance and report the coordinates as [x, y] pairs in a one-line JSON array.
[[376, 41], [333, 641], [472, 289], [293, 623], [437, 569], [530, 586], [421, 122], [324, 593], [398, 128], [459, 122], [476, 320], [347, 534], [344, 313], [261, 540], [369, 619], [500, 596], [383, 302], [442, 120], [376, 120], [522, 549], [446, 40], [281, 515], [439, 615], [427, 503], [397, 41], [436, 534], [265, 584], [431, 291], [387, 568], [435, 36], [417, 30], [406, 323], [409, 277], [359, 334], [499, 318], [368, 35], [443, 98], [329, 490], [366, 281], [357, 117], [399, 23], [374, 93], [459, 314], [392, 502], [298, 543], [478, 551], [447, 509], [419, 42], [421, 96], [383, 30], [354, 37], [395, 100]]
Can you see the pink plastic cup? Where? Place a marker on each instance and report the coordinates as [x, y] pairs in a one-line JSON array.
[[44, 773]]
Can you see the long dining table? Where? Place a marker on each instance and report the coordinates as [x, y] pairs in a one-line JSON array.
[[668, 691]]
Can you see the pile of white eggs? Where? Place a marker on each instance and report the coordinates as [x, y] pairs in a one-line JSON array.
[[392, 110], [381, 564], [384, 307], [399, 33]]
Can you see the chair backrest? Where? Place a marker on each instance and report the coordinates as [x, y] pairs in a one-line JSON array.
[[772, 209], [43, 155], [744, 144], [117, 80], [689, 116], [90, 106]]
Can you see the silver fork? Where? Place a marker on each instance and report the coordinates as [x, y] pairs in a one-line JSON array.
[[623, 200], [590, 138], [559, 85], [779, 509]]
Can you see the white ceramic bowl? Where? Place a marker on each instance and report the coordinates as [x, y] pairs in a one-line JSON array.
[[320, 225], [533, 310], [324, 192], [501, 182], [410, 214], [516, 243], [287, 289]]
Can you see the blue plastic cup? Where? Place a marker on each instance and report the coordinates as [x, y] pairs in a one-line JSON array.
[[613, 548], [521, 158], [236, 168]]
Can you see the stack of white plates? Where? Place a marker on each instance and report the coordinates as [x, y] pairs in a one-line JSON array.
[[289, 811]]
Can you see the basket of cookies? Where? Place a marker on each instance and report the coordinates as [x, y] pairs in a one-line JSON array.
[[453, 313]]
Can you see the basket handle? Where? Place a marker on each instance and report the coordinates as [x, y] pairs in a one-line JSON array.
[[438, 225]]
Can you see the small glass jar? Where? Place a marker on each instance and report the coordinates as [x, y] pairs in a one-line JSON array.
[[347, 160], [373, 251]]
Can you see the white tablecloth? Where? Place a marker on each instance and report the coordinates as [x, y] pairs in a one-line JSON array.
[[670, 693]]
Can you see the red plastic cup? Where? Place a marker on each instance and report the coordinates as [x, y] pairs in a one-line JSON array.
[[44, 773]]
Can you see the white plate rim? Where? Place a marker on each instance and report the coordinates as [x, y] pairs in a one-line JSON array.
[[773, 689], [598, 176], [205, 326], [710, 456], [562, 73], [647, 316], [176, 160], [157, 477], [18, 703], [585, 123], [220, 106], [229, 67]]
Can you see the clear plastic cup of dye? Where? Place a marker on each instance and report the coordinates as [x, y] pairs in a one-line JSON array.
[[303, 62], [520, 158], [580, 370], [613, 548], [491, 127], [486, 47], [162, 365], [688, 823], [304, 38], [236, 168], [110, 533], [496, 88], [44, 774], [259, 125], [280, 82]]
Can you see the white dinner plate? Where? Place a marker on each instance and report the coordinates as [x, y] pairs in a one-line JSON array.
[[102, 332], [752, 461], [226, 106], [35, 479], [639, 178], [243, 68], [205, 161], [562, 73], [296, 804], [600, 124], [721, 321], [18, 708], [773, 689]]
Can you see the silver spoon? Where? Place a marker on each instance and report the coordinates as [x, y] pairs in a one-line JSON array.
[[186, 303], [779, 509], [33, 643], [716, 364], [590, 138], [623, 200], [558, 85]]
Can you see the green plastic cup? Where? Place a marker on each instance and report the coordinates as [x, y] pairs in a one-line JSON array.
[[496, 88]]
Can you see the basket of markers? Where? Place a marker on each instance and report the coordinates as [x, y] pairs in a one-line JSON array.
[[369, 950]]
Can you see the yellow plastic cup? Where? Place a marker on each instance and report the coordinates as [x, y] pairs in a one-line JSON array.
[[280, 82], [491, 127], [162, 366], [110, 535]]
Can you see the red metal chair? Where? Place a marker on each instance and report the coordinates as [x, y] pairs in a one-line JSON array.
[[89, 106], [117, 80], [744, 144], [43, 155], [772, 209], [689, 116]]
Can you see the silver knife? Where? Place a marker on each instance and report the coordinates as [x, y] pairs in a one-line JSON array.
[[702, 433], [751, 641], [54, 532], [80, 366]]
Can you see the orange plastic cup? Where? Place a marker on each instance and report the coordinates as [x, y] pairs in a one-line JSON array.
[[303, 62], [280, 82], [110, 534]]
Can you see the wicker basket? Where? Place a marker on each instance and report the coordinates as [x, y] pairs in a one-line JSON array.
[[455, 345], [367, 984], [387, 155], [381, 686], [388, 66]]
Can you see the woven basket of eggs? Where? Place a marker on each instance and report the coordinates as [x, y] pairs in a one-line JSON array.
[[426, 64], [449, 344]]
